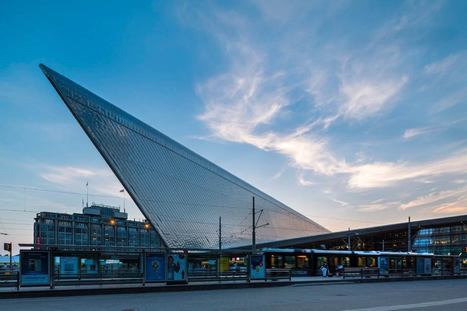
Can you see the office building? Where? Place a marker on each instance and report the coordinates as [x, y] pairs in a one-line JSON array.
[[99, 228]]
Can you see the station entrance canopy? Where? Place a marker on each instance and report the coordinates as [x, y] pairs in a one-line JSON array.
[[181, 193]]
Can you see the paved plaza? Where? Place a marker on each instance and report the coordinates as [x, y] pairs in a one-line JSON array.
[[413, 295]]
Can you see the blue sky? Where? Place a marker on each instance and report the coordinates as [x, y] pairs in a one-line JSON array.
[[353, 113]]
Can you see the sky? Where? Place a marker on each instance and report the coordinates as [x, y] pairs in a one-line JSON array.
[[354, 113]]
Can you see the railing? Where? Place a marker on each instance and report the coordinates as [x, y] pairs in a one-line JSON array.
[[278, 274], [357, 272], [9, 278], [202, 276]]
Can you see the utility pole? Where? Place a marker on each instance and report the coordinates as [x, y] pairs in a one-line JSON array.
[[255, 226], [11, 255], [220, 248], [383, 245], [409, 237], [253, 231], [349, 246], [220, 235]]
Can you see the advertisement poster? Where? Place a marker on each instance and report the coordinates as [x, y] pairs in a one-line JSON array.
[[34, 268], [155, 267], [257, 267], [225, 264], [88, 266], [457, 265], [383, 265], [423, 265], [176, 267], [68, 265]]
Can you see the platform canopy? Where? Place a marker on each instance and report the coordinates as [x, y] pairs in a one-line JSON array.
[[181, 193]]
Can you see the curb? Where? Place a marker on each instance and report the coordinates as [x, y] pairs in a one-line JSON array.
[[196, 287]]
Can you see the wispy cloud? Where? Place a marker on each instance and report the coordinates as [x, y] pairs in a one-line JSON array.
[[451, 208], [64, 175], [377, 175], [414, 132], [448, 64], [436, 197], [365, 98], [72, 177], [296, 97]]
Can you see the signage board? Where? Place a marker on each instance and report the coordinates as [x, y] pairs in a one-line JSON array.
[[155, 267], [34, 268], [424, 266], [225, 264], [7, 247], [457, 265], [257, 267], [383, 265], [69, 265], [177, 267]]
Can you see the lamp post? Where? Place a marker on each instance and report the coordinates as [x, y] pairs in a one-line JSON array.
[[113, 224]]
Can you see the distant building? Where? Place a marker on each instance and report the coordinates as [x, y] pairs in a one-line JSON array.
[[98, 228]]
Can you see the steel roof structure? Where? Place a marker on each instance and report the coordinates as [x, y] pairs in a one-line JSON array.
[[181, 193]]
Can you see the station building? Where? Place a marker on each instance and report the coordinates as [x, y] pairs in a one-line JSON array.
[[193, 204]]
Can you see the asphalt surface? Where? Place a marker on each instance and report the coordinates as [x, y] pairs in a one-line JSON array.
[[414, 295]]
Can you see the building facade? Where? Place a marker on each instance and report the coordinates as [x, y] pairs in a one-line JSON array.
[[98, 228]]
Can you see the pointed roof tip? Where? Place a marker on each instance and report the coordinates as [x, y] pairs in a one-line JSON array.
[[44, 68]]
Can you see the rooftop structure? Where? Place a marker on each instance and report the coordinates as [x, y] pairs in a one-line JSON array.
[[181, 193]]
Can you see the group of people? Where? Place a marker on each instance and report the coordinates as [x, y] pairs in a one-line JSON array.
[[325, 270]]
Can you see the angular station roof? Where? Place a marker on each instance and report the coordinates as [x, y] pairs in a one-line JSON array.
[[181, 193]]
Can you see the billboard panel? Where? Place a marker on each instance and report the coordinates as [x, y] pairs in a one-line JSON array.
[[383, 265], [423, 265], [257, 267], [176, 267], [35, 268], [68, 265], [155, 267]]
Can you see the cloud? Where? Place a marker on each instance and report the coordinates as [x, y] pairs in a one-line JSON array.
[[414, 132], [376, 175], [435, 197], [365, 98], [101, 181], [451, 208], [304, 182], [448, 64], [64, 175], [373, 207], [451, 100]]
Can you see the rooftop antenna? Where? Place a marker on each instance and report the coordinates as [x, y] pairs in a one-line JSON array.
[[123, 194], [87, 194]]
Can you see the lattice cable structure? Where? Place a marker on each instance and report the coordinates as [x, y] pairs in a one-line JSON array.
[[181, 193]]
